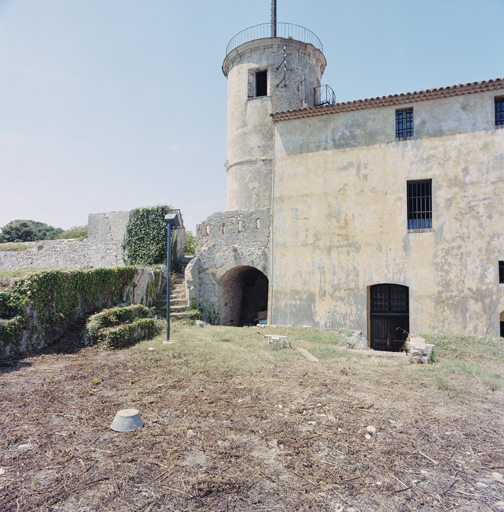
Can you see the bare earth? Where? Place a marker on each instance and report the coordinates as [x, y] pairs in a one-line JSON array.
[[287, 434]]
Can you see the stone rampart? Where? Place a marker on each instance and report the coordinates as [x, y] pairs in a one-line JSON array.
[[102, 248], [144, 286], [225, 241], [69, 254]]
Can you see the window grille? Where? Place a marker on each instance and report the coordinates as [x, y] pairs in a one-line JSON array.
[[404, 123], [499, 111], [420, 204]]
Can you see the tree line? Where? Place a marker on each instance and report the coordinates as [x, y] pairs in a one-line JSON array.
[[19, 230]]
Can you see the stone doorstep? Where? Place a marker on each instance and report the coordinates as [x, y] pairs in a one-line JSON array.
[[379, 353]]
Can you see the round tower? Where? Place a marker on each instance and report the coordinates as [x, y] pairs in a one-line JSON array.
[[265, 75]]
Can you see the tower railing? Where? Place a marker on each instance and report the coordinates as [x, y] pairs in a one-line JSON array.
[[284, 30], [324, 95]]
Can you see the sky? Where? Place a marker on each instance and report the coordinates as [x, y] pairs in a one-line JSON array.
[[109, 105]]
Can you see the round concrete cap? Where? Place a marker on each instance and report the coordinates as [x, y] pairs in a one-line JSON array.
[[127, 420]]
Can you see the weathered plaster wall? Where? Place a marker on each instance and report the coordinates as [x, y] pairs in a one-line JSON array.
[[340, 217], [249, 125], [225, 241]]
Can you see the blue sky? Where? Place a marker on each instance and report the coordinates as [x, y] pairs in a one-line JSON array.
[[115, 104]]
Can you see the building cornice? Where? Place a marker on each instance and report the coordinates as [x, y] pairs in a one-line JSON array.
[[395, 99]]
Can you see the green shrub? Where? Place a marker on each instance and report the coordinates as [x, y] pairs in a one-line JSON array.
[[129, 334], [113, 317], [121, 326], [49, 301], [75, 232], [11, 330], [189, 244]]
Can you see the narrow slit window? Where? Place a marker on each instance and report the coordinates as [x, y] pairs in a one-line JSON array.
[[501, 272], [499, 111], [420, 204], [404, 123]]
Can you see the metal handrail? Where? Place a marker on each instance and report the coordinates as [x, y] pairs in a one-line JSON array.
[[324, 95], [285, 30]]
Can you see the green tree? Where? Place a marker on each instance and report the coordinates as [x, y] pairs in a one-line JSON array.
[[28, 231], [78, 232], [190, 244]]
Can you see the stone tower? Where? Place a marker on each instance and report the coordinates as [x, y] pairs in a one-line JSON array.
[[270, 68], [267, 72]]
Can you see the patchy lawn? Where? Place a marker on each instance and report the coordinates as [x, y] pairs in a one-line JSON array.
[[235, 424]]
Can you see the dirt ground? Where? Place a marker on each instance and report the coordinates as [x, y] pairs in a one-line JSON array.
[[350, 434]]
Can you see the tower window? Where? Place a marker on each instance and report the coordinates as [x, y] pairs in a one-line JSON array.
[[258, 83], [404, 123], [499, 111], [420, 204], [261, 83]]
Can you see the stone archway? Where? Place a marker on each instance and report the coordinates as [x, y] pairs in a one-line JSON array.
[[244, 293]]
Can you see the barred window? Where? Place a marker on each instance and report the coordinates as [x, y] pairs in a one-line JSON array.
[[404, 123], [420, 204], [499, 111]]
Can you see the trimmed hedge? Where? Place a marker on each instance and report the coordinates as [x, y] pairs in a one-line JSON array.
[[121, 326], [41, 306], [129, 334]]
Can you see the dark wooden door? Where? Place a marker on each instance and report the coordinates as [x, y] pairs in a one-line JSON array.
[[389, 316]]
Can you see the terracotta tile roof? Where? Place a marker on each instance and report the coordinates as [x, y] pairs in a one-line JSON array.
[[395, 99]]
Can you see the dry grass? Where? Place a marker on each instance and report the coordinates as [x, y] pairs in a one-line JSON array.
[[232, 423]]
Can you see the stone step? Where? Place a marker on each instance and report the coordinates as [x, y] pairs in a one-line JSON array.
[[180, 315], [178, 308]]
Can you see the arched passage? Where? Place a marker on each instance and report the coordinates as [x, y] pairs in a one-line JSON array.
[[389, 316], [244, 295]]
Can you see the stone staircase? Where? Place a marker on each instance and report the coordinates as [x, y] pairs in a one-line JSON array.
[[179, 307]]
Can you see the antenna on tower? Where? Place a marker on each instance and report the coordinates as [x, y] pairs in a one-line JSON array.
[[273, 18]]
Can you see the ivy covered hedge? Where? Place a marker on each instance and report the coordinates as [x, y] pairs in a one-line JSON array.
[[111, 318], [40, 307], [145, 239], [121, 326]]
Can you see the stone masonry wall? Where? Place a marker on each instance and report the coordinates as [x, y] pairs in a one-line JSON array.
[[69, 254], [102, 248], [225, 241]]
